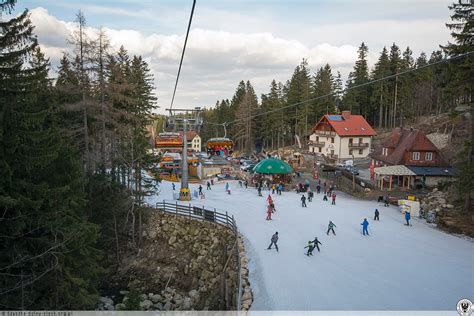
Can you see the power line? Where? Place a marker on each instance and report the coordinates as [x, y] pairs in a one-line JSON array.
[[351, 88], [182, 55]]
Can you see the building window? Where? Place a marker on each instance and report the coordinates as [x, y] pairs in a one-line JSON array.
[[350, 152], [350, 140], [384, 151], [332, 152], [360, 140], [332, 140], [320, 149], [429, 156], [416, 155], [361, 151]]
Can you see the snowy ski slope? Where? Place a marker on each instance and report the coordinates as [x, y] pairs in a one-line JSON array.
[[395, 268]]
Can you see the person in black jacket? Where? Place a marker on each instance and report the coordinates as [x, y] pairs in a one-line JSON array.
[[376, 216], [316, 242], [303, 201]]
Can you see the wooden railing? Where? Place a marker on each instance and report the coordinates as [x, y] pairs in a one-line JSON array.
[[213, 216]]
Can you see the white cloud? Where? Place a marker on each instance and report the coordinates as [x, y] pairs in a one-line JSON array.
[[216, 61]]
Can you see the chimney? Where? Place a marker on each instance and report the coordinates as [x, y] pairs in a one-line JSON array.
[[346, 115]]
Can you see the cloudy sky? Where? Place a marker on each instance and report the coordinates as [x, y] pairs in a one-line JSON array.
[[233, 40]]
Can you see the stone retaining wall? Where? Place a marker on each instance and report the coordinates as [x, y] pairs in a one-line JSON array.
[[180, 267]]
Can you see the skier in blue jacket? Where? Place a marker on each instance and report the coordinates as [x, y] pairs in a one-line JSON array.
[[365, 226], [407, 218]]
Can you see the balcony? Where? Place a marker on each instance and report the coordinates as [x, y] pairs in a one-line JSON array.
[[316, 143], [324, 133], [358, 145]]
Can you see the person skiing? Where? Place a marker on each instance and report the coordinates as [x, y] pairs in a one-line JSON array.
[[200, 189], [274, 241], [174, 187], [240, 183], [331, 226], [212, 181], [280, 188], [273, 188], [269, 213], [269, 199], [365, 226], [325, 197], [208, 186], [376, 216], [318, 189], [316, 242], [310, 196], [333, 199], [227, 186], [407, 218], [259, 190], [303, 201], [310, 247], [246, 183], [386, 201]]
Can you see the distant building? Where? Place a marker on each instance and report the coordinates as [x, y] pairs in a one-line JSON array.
[[409, 148], [194, 141], [409, 159], [344, 136]]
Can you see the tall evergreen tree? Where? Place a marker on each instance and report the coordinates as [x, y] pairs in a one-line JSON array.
[[46, 250]]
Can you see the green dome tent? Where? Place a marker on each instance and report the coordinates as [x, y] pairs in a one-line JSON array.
[[272, 166]]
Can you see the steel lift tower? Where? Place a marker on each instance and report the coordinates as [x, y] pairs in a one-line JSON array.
[[185, 119]]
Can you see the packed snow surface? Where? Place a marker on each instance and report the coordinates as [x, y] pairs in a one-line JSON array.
[[395, 268]]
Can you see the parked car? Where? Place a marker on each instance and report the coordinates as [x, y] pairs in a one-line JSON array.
[[352, 170]]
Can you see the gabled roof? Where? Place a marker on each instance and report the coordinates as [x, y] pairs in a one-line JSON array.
[[189, 134], [347, 124], [401, 141]]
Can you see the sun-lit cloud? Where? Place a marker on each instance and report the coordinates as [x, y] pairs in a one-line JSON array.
[[217, 59]]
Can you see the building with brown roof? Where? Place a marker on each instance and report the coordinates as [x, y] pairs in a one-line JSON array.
[[409, 159], [343, 136], [408, 147]]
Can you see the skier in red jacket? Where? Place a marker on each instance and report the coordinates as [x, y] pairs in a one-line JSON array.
[[269, 212]]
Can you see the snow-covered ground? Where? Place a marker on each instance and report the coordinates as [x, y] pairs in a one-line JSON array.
[[395, 268]]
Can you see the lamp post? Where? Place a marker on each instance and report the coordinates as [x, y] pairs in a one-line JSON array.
[[353, 175]]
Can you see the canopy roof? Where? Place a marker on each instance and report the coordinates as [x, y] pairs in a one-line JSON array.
[[399, 170], [272, 166]]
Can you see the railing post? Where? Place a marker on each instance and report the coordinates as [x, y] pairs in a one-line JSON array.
[[176, 207], [226, 219], [189, 210], [215, 217]]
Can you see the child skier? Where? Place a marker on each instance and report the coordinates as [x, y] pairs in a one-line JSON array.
[[310, 247], [318, 189], [331, 226], [365, 226], [310, 196], [325, 197], [274, 241], [303, 201], [174, 187], [316, 242], [407, 218], [200, 189], [227, 186], [376, 216], [334, 198], [208, 185]]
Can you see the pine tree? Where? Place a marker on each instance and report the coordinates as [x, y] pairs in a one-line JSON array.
[[461, 83], [358, 99], [379, 95], [46, 250]]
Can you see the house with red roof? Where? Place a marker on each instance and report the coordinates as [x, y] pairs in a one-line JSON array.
[[344, 136]]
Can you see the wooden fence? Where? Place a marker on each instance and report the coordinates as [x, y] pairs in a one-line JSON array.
[[213, 216]]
